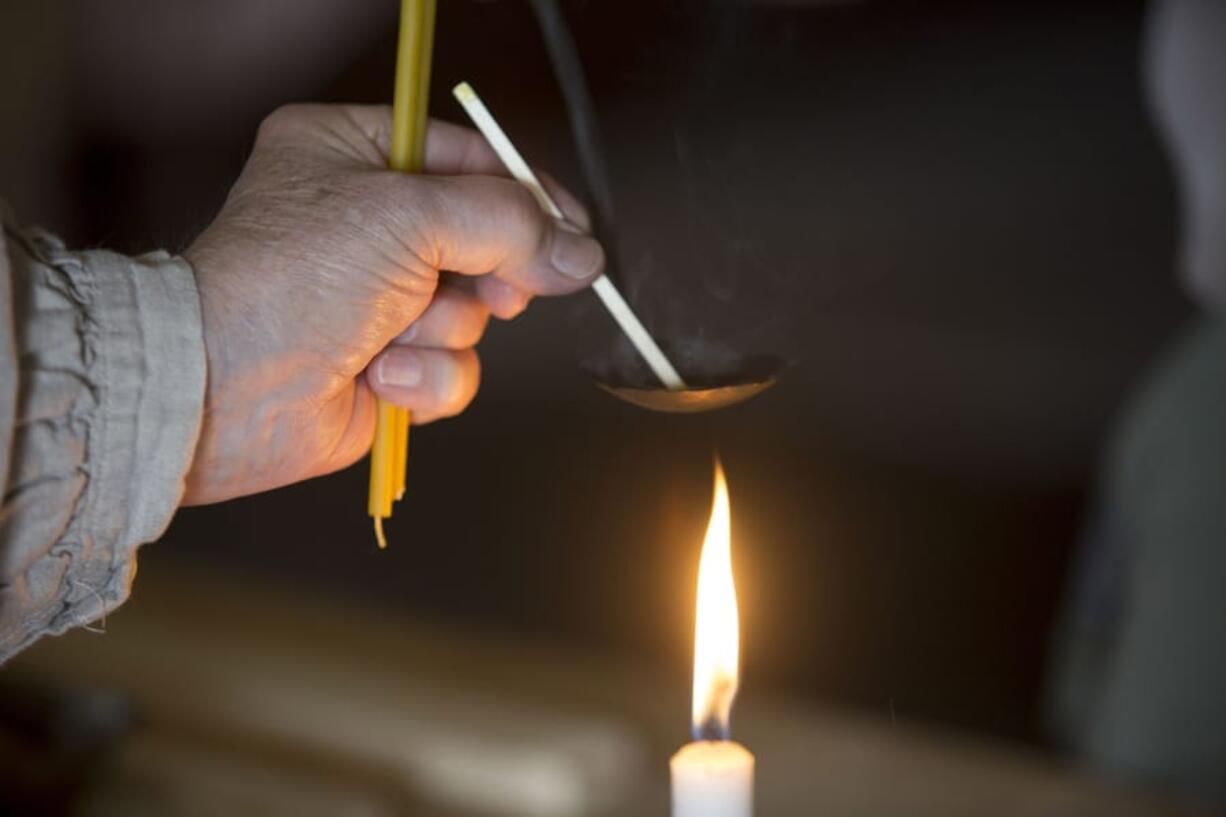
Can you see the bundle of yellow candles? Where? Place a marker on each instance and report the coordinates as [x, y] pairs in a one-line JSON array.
[[390, 449]]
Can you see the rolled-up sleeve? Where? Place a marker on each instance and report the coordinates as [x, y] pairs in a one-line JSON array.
[[102, 370]]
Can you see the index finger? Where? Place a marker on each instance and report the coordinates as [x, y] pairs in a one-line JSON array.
[[451, 150]]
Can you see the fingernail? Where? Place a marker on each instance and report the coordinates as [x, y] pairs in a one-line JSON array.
[[575, 255], [400, 368]]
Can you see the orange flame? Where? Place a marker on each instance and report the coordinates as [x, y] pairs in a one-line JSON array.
[[716, 634]]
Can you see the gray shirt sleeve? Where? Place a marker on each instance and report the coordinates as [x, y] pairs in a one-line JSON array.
[[102, 376]]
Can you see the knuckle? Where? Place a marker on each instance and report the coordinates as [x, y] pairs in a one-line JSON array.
[[281, 121], [419, 199], [515, 210], [407, 207], [524, 207], [475, 148]]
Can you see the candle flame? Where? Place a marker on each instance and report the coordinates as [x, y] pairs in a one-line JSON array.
[[716, 632]]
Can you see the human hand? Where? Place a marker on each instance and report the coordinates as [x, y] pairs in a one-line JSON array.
[[322, 286]]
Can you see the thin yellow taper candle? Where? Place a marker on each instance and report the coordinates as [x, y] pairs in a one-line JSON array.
[[389, 451]]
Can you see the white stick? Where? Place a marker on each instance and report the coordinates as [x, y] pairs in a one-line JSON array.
[[609, 296]]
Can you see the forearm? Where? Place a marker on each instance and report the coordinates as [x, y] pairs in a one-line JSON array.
[[104, 381]]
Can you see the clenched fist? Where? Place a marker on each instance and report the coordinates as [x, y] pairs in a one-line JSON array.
[[327, 280]]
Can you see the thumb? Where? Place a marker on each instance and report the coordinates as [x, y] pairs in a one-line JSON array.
[[477, 225]]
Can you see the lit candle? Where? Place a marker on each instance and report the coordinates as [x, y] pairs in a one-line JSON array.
[[713, 776]]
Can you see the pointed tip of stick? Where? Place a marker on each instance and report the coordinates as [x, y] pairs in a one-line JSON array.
[[379, 537], [464, 92]]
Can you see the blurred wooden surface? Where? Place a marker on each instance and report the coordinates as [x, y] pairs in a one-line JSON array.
[[251, 700]]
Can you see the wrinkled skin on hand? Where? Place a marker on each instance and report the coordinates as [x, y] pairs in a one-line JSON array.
[[322, 285]]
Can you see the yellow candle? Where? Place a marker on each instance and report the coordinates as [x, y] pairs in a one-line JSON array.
[[379, 501], [389, 451], [409, 103], [400, 452]]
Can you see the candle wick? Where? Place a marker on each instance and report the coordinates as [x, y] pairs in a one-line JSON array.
[[711, 728]]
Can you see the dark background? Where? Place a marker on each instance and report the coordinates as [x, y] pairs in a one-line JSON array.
[[953, 220]]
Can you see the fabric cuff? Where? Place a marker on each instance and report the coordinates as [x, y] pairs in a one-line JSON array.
[[113, 359], [152, 351]]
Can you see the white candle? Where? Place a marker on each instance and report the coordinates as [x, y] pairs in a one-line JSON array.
[[714, 777]]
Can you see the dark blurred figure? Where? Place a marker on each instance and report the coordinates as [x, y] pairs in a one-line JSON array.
[[1140, 676]]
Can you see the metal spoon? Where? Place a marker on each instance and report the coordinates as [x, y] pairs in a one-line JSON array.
[[676, 395], [689, 401], [756, 375]]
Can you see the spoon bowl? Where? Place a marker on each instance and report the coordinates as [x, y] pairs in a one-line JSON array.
[[754, 376], [689, 401]]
